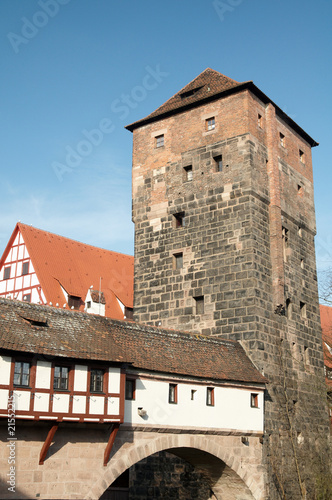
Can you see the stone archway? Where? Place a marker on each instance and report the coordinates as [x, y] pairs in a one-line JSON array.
[[233, 468]]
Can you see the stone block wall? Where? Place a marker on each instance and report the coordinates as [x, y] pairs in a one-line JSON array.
[[246, 242]]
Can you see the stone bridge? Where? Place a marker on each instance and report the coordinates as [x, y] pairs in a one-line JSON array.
[[230, 461]]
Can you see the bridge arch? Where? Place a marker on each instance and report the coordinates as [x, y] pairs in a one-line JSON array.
[[226, 467]]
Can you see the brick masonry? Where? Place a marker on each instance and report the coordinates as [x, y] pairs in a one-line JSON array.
[[247, 245]]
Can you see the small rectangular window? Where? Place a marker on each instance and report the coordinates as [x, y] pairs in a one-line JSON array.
[[259, 120], [210, 123], [285, 243], [25, 268], [96, 380], [27, 297], [303, 310], [188, 173], [218, 163], [179, 220], [21, 373], [173, 394], [302, 263], [210, 396], [199, 302], [178, 260], [130, 389], [301, 156], [282, 139], [160, 141], [288, 309], [193, 393], [6, 273], [254, 400], [60, 381]]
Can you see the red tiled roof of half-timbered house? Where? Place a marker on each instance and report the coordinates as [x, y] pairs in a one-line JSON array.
[[64, 264]]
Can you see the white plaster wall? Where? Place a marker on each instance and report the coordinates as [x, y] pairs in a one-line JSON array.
[[231, 409], [114, 380], [41, 401], [96, 405], [79, 404], [43, 375], [20, 252], [80, 378], [60, 403], [4, 399], [22, 400], [5, 364], [113, 406]]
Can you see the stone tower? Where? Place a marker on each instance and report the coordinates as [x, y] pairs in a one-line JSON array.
[[224, 245]]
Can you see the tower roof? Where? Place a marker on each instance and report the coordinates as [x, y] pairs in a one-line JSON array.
[[208, 86]]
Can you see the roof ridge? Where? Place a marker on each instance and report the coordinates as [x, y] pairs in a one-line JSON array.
[[20, 224]]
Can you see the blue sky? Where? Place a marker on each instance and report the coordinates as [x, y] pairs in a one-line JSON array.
[[68, 65]]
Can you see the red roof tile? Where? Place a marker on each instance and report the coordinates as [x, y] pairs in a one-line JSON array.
[[74, 266]]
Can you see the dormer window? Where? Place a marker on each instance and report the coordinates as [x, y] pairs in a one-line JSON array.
[[74, 302], [189, 93]]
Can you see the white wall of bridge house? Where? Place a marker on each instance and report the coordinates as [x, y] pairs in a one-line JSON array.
[[59, 403], [18, 285], [231, 410]]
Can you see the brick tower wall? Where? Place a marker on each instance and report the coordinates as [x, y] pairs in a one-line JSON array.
[[247, 245]]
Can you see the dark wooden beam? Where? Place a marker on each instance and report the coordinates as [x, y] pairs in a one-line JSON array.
[[110, 443], [47, 443]]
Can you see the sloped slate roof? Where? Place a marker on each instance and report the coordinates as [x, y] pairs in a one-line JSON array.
[[207, 86], [90, 337], [62, 262]]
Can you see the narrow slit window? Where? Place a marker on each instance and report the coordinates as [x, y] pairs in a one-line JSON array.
[[254, 400], [301, 156], [303, 309], [178, 260], [289, 308], [282, 139], [188, 173], [173, 394], [259, 120], [130, 389], [218, 163], [199, 302], [210, 396], [179, 220], [285, 243]]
